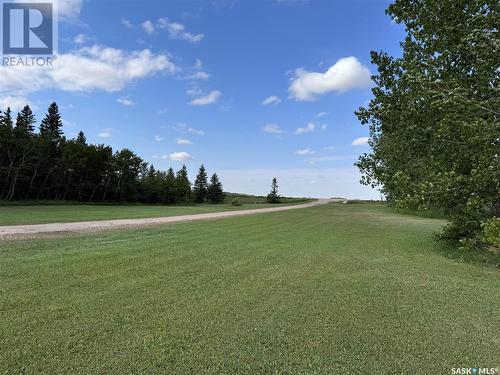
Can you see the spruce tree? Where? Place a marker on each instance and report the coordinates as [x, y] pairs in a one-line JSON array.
[[215, 193], [170, 187], [52, 123], [6, 118], [273, 196], [26, 120], [200, 186], [81, 139], [183, 186]]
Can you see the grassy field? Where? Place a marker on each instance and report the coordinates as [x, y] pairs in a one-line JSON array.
[[253, 199], [64, 213], [336, 289]]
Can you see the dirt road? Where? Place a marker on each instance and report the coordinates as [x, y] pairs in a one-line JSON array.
[[27, 231]]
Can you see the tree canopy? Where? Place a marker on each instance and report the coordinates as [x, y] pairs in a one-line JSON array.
[[46, 165], [433, 121]]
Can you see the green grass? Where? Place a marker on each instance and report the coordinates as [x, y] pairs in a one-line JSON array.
[[42, 214], [337, 289], [252, 199]]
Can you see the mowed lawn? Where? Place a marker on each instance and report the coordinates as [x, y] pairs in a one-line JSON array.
[[335, 289], [42, 214]]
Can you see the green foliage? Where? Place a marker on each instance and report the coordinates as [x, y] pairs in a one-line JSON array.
[[182, 186], [236, 202], [81, 139], [215, 192], [256, 199], [47, 166], [492, 231], [6, 119], [51, 126], [433, 121], [273, 196], [26, 120], [200, 186]]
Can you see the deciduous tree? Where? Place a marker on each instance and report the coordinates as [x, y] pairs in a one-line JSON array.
[[434, 127]]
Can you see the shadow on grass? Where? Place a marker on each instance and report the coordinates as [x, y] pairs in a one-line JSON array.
[[482, 256]]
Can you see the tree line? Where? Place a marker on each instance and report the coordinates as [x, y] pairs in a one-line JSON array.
[[434, 119], [45, 165]]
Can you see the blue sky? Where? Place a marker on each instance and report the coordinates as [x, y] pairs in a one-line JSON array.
[[187, 82]]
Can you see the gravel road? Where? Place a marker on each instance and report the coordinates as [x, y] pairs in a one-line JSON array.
[[10, 232]]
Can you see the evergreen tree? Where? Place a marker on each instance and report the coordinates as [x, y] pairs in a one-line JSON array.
[[6, 119], [169, 190], [273, 196], [26, 120], [215, 193], [52, 123], [200, 186], [81, 139], [19, 121], [183, 186], [47, 166]]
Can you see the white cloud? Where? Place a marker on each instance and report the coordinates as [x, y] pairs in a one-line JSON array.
[[127, 23], [324, 127], [194, 91], [272, 100], [180, 156], [105, 133], [304, 152], [329, 148], [16, 103], [68, 10], [86, 69], [322, 114], [159, 138], [346, 74], [177, 30], [197, 72], [80, 39], [126, 102], [307, 129], [272, 129], [148, 27], [183, 128], [212, 97], [199, 75], [360, 141], [181, 141], [196, 131]]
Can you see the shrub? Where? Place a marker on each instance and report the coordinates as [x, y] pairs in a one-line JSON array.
[[492, 231], [236, 202]]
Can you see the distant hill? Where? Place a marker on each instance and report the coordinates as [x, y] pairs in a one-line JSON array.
[[252, 199]]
